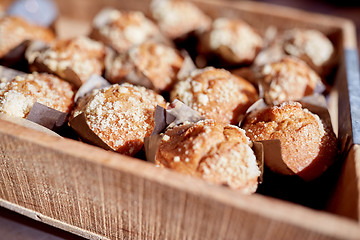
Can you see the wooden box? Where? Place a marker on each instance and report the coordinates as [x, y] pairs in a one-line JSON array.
[[99, 194]]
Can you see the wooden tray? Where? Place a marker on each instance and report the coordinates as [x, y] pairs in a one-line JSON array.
[[99, 194]]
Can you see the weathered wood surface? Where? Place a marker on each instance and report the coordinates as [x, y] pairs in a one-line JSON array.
[[65, 181], [100, 194]]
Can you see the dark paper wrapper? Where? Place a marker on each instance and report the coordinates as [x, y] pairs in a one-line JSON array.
[[317, 104], [15, 58], [6, 74], [176, 114], [272, 148], [81, 127], [94, 82], [187, 67], [28, 124], [273, 158], [31, 54], [47, 117], [79, 124]]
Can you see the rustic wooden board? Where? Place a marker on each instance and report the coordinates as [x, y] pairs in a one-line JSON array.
[[56, 180], [99, 194], [345, 201]]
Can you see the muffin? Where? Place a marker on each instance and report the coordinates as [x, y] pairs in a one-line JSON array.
[[123, 29], [73, 59], [14, 31], [308, 45], [233, 40], [216, 94], [311, 46], [287, 79], [18, 95], [152, 65], [120, 115], [177, 18], [216, 152], [308, 145]]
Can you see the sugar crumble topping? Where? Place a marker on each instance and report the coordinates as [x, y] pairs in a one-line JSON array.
[[83, 55], [235, 35], [214, 93], [158, 62], [177, 18], [288, 79], [18, 95], [122, 115], [301, 132], [311, 43], [237, 167], [123, 29], [216, 152]]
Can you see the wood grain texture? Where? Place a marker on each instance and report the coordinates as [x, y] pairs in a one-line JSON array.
[[345, 201], [99, 194], [122, 198]]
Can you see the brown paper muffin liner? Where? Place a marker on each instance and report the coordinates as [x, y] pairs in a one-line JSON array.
[[78, 123], [176, 114], [31, 55], [16, 56], [94, 82], [6, 74], [47, 117], [272, 148], [27, 123]]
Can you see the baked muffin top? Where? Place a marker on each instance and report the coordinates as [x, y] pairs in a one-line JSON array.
[[216, 152], [15, 30], [121, 115], [216, 94], [19, 95]]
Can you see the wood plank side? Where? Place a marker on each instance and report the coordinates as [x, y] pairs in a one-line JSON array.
[[345, 201], [121, 198], [110, 196]]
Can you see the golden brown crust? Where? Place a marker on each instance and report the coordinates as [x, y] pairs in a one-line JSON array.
[[81, 54], [311, 46], [177, 18], [216, 152], [149, 64], [121, 115], [14, 31], [123, 29], [308, 45], [216, 94], [287, 79], [18, 95], [233, 40], [307, 146]]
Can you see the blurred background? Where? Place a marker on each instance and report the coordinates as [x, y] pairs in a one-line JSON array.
[[342, 8], [345, 8]]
